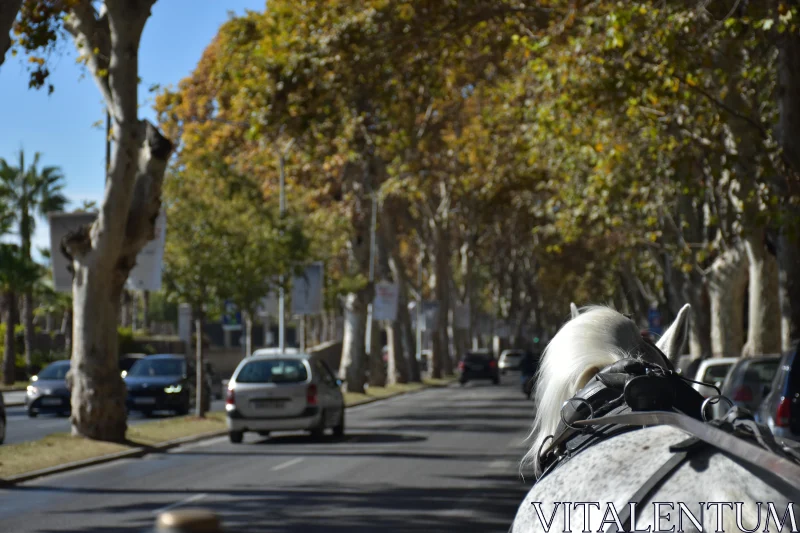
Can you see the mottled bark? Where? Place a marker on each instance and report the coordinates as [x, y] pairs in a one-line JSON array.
[[697, 296], [353, 363], [727, 283], [248, 333], [789, 136], [763, 317], [9, 352], [407, 334], [377, 370], [102, 256], [443, 362]]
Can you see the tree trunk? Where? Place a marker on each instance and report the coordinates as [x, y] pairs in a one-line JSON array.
[[727, 283], [9, 353], [200, 400], [789, 136], [48, 322], [763, 317], [27, 320], [146, 311], [353, 361], [248, 333], [8, 13], [377, 370], [441, 345], [789, 286], [697, 296], [407, 337], [66, 330]]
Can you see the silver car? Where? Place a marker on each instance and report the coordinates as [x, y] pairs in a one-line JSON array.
[[283, 392]]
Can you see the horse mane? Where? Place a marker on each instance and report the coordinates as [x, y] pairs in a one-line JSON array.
[[597, 337]]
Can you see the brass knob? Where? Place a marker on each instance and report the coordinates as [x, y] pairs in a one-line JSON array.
[[188, 521]]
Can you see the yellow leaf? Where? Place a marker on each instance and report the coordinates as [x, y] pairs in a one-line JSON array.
[[598, 147]]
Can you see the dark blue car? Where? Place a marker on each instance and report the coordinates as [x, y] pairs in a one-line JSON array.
[[48, 392], [163, 382]]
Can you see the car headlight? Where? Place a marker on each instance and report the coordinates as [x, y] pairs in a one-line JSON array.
[[173, 389], [32, 391]]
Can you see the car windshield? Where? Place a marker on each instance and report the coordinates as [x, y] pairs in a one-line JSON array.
[[158, 367], [477, 358], [715, 373], [55, 371], [273, 371], [760, 373]]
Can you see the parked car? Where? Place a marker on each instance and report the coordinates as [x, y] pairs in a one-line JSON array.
[[423, 360], [745, 382], [780, 410], [128, 360], [48, 392], [510, 360], [163, 382], [283, 392], [713, 372], [478, 365]]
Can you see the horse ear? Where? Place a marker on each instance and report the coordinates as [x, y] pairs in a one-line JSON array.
[[673, 340], [573, 309]]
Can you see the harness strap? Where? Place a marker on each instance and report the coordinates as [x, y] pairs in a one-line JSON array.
[[649, 486]]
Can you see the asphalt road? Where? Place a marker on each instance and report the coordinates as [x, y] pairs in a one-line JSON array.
[[438, 460], [21, 428]]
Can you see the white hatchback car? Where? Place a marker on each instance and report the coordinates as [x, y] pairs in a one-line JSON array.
[[283, 392]]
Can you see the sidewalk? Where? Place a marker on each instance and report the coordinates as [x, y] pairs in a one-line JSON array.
[[14, 398]]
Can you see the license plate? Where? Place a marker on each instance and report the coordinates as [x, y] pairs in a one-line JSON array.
[[144, 401], [268, 404], [51, 401]]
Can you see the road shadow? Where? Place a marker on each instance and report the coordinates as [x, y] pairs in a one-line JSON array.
[[329, 508], [349, 438]]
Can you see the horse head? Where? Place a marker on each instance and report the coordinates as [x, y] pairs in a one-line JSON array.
[[593, 339]]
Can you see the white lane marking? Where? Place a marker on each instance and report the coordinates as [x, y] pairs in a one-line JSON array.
[[500, 464], [190, 499], [287, 464]]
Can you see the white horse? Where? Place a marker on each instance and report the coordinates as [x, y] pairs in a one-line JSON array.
[[588, 491]]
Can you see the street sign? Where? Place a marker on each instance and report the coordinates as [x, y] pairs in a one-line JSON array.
[[268, 306], [384, 306], [60, 225], [461, 316], [231, 317], [185, 323], [502, 329], [307, 291], [430, 314], [146, 274], [654, 320]]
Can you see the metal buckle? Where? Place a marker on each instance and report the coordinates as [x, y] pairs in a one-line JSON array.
[[570, 426], [716, 397]]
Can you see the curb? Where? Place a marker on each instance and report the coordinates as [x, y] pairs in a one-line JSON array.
[[162, 447], [127, 454], [15, 404]]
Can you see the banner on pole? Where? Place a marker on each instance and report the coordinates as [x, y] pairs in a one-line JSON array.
[[461, 316], [231, 318], [146, 274], [384, 306], [307, 291]]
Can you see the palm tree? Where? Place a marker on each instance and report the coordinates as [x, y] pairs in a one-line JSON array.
[[16, 272], [30, 192]]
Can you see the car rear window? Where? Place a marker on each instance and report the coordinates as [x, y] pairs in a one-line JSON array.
[[477, 357], [273, 371], [760, 373], [715, 373]]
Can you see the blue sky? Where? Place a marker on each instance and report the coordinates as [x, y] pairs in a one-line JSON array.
[[60, 125]]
